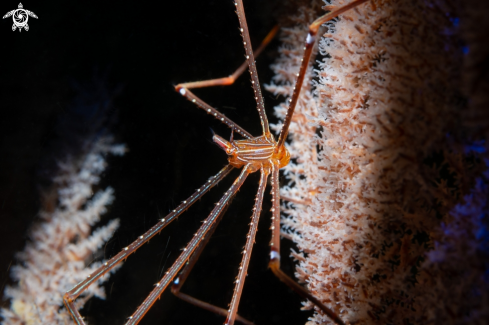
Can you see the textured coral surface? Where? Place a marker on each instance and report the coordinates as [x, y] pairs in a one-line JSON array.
[[378, 192], [62, 244]]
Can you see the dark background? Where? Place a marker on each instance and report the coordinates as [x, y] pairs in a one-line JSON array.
[[142, 49]]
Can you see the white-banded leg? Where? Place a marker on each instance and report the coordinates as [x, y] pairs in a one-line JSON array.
[[70, 296], [250, 59], [250, 240], [214, 112], [179, 281], [308, 47], [275, 252], [189, 249], [184, 89]]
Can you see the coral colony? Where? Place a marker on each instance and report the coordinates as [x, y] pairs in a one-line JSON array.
[[387, 195], [55, 260]]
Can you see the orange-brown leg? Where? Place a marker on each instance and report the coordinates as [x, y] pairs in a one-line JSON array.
[[182, 276], [308, 47], [184, 88], [226, 81], [250, 240], [70, 296], [214, 112], [250, 60], [275, 252], [189, 249]]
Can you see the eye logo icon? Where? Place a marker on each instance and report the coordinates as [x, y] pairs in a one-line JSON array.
[[20, 17]]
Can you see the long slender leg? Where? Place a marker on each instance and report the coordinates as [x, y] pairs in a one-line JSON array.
[[70, 296], [243, 268], [214, 112], [252, 67], [189, 249], [226, 81], [182, 276], [203, 304], [275, 252], [310, 41], [184, 89]]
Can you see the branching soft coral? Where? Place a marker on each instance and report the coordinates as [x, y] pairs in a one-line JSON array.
[[55, 259], [380, 167]]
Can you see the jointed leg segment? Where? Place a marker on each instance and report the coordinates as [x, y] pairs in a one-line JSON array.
[[182, 276], [226, 81], [183, 88], [250, 240], [212, 111], [189, 249], [275, 253], [71, 295], [192, 251], [308, 47]]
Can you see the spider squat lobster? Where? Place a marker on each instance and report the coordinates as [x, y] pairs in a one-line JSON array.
[[262, 153]]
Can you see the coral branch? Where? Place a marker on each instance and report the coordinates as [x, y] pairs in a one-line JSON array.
[[378, 142], [63, 243]]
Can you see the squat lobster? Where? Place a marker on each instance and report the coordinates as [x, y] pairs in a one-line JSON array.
[[251, 154]]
